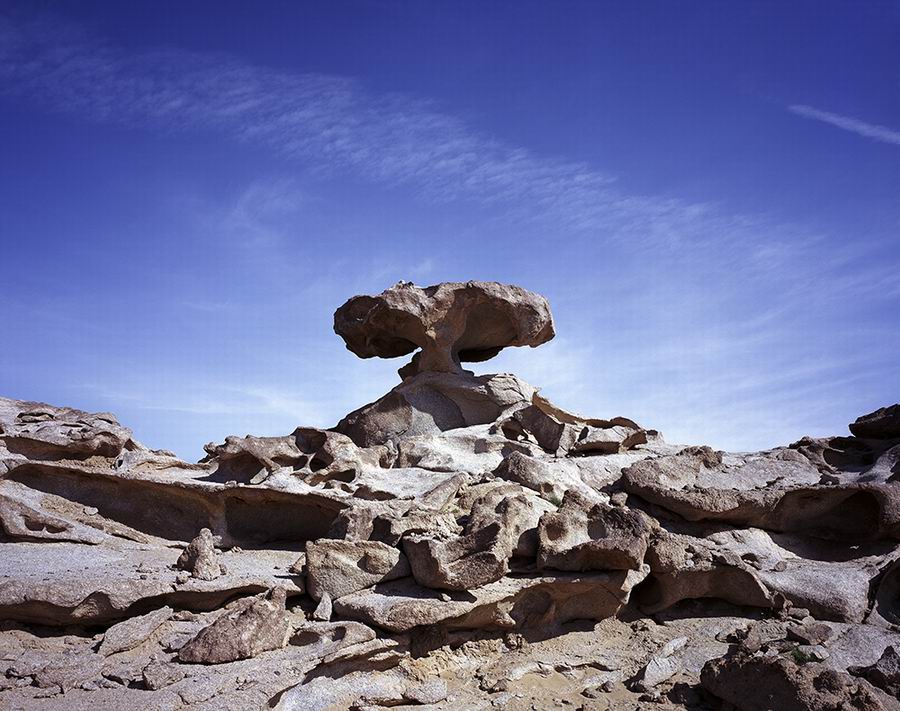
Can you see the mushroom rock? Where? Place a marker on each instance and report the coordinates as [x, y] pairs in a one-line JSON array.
[[460, 528], [452, 322]]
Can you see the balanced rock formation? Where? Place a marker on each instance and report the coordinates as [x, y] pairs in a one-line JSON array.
[[451, 323], [461, 542]]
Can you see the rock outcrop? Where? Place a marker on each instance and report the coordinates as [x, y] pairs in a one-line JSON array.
[[460, 542], [884, 423]]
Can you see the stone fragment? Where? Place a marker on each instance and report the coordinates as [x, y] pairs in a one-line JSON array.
[[661, 667], [199, 557], [129, 633], [158, 675], [371, 689], [811, 633], [339, 567], [323, 612], [253, 626]]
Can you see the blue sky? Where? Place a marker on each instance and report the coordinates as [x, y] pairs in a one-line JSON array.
[[708, 193]]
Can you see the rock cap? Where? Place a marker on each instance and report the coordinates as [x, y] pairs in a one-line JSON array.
[[452, 322]]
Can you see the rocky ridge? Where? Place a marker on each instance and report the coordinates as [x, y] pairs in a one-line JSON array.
[[459, 543]]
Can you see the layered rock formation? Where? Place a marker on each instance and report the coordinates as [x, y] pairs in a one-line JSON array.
[[459, 543]]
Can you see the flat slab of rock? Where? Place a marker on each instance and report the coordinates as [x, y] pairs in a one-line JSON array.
[[884, 423], [40, 431], [129, 633], [779, 490], [402, 605], [68, 583]]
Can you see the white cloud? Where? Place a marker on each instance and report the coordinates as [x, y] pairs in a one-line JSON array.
[[334, 124], [861, 128], [668, 362]]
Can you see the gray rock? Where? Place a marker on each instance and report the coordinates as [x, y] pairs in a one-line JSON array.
[[133, 631], [341, 567], [526, 601], [430, 403], [450, 322], [158, 675], [885, 673], [758, 682], [199, 557], [323, 610], [583, 535], [884, 423], [43, 432], [252, 627]]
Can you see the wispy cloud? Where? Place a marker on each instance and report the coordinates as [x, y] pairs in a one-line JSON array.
[[860, 128], [334, 124], [685, 315]]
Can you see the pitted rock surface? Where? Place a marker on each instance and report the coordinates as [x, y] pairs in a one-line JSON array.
[[451, 323]]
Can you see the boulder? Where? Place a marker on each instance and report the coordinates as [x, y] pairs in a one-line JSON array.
[[340, 567], [433, 402], [451, 323], [586, 535], [884, 423], [251, 627], [750, 568], [43, 432], [129, 633], [500, 526], [462, 563], [199, 557], [757, 682], [885, 673]]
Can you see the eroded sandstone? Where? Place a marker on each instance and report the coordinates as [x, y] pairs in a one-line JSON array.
[[460, 542]]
